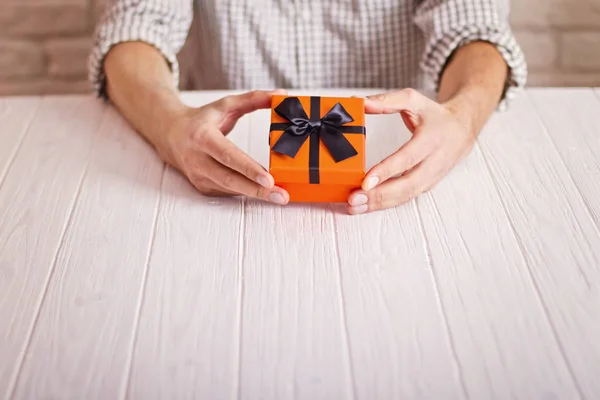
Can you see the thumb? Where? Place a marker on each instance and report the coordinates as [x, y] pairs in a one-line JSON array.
[[393, 102], [248, 102]]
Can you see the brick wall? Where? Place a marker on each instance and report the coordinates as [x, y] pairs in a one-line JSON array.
[[561, 40], [44, 43]]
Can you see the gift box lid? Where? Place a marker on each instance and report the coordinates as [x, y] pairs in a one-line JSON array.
[[324, 147]]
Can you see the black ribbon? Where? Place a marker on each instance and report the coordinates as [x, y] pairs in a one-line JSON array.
[[330, 129]]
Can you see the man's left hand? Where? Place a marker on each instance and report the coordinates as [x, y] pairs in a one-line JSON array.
[[440, 139]]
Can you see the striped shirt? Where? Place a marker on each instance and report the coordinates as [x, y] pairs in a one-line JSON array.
[[266, 44]]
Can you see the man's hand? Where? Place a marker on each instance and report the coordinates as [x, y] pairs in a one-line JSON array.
[[196, 145], [443, 133], [192, 140], [440, 139]]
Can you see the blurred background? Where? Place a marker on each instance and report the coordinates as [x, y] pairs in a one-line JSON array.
[[44, 44]]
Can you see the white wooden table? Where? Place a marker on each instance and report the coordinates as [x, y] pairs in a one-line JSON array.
[[118, 280]]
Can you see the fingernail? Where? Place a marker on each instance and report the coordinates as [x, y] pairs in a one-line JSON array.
[[359, 209], [359, 200], [277, 198], [262, 181], [371, 182]]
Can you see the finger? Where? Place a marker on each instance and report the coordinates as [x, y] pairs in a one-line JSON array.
[[228, 154], [245, 103], [394, 192], [406, 157], [208, 188], [393, 102], [231, 181], [411, 120]]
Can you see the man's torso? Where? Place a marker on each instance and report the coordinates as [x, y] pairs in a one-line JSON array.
[[249, 44]]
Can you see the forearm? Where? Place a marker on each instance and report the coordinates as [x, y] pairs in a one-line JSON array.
[[140, 85], [472, 83]]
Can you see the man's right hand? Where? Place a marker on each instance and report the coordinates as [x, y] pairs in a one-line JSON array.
[[193, 140], [198, 147]]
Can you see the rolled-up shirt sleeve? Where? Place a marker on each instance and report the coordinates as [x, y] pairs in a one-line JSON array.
[[450, 24], [163, 24]]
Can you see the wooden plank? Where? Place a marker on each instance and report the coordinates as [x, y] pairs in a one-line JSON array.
[[399, 343], [16, 116], [557, 235], [187, 341], [576, 138], [571, 119], [36, 202], [293, 339], [500, 331], [84, 334]]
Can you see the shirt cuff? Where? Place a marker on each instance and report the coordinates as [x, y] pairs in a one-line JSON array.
[[112, 33], [439, 51]]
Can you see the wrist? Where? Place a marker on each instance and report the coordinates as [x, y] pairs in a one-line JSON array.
[[466, 114], [172, 121]]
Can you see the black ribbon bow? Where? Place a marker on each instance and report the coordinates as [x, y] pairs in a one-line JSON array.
[[330, 129], [301, 126]]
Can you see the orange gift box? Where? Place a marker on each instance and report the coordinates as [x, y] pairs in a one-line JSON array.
[[317, 146]]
